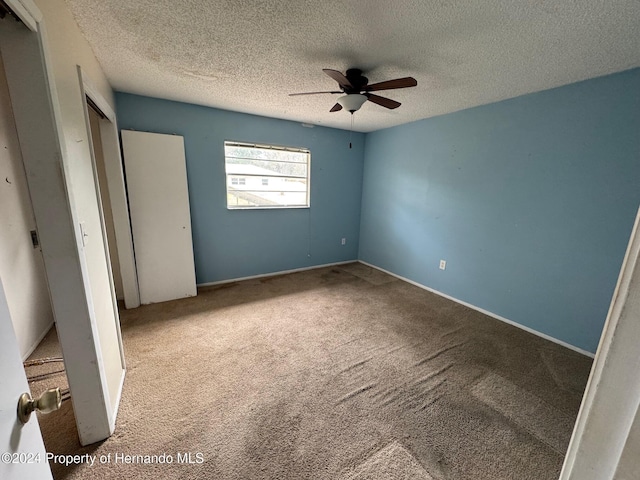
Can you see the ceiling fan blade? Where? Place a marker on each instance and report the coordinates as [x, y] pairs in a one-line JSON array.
[[336, 108], [382, 101], [311, 93], [338, 77], [389, 84]]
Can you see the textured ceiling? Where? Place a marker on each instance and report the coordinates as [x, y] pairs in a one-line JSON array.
[[248, 55]]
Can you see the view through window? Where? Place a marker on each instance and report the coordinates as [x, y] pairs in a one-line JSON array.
[[266, 176]]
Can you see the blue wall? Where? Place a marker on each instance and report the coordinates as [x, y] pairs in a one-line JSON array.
[[233, 243], [530, 201]]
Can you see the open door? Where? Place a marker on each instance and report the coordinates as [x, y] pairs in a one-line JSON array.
[[22, 452], [68, 222]]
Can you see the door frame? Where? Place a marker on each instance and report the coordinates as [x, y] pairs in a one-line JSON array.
[[612, 397], [117, 191], [37, 114]]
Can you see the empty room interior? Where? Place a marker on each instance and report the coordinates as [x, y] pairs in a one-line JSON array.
[[320, 240]]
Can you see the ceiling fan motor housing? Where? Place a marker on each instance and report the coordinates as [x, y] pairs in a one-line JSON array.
[[355, 77]]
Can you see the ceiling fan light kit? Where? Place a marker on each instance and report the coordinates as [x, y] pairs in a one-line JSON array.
[[352, 102]]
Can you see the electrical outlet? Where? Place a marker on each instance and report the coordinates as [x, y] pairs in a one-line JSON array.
[[443, 264], [343, 241]]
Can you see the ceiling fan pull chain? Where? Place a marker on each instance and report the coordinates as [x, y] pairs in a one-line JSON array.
[[351, 131]]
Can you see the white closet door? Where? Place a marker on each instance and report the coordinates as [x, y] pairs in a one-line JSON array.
[[160, 219]]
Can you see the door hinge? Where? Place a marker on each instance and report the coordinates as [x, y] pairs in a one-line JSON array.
[[34, 239]]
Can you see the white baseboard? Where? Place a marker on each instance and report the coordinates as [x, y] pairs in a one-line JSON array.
[[35, 344], [486, 312], [273, 274]]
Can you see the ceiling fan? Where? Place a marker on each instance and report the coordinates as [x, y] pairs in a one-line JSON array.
[[357, 90]]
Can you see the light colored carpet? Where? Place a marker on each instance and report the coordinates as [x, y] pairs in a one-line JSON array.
[[340, 372], [391, 463], [547, 424]]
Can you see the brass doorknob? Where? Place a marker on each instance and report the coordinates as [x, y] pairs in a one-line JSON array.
[[48, 402]]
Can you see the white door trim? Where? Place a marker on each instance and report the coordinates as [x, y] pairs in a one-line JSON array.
[[612, 396], [28, 12], [117, 192]]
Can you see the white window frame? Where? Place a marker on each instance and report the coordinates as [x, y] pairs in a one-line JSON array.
[[233, 176]]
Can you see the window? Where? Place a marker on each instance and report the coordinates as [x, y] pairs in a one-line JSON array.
[[266, 176]]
